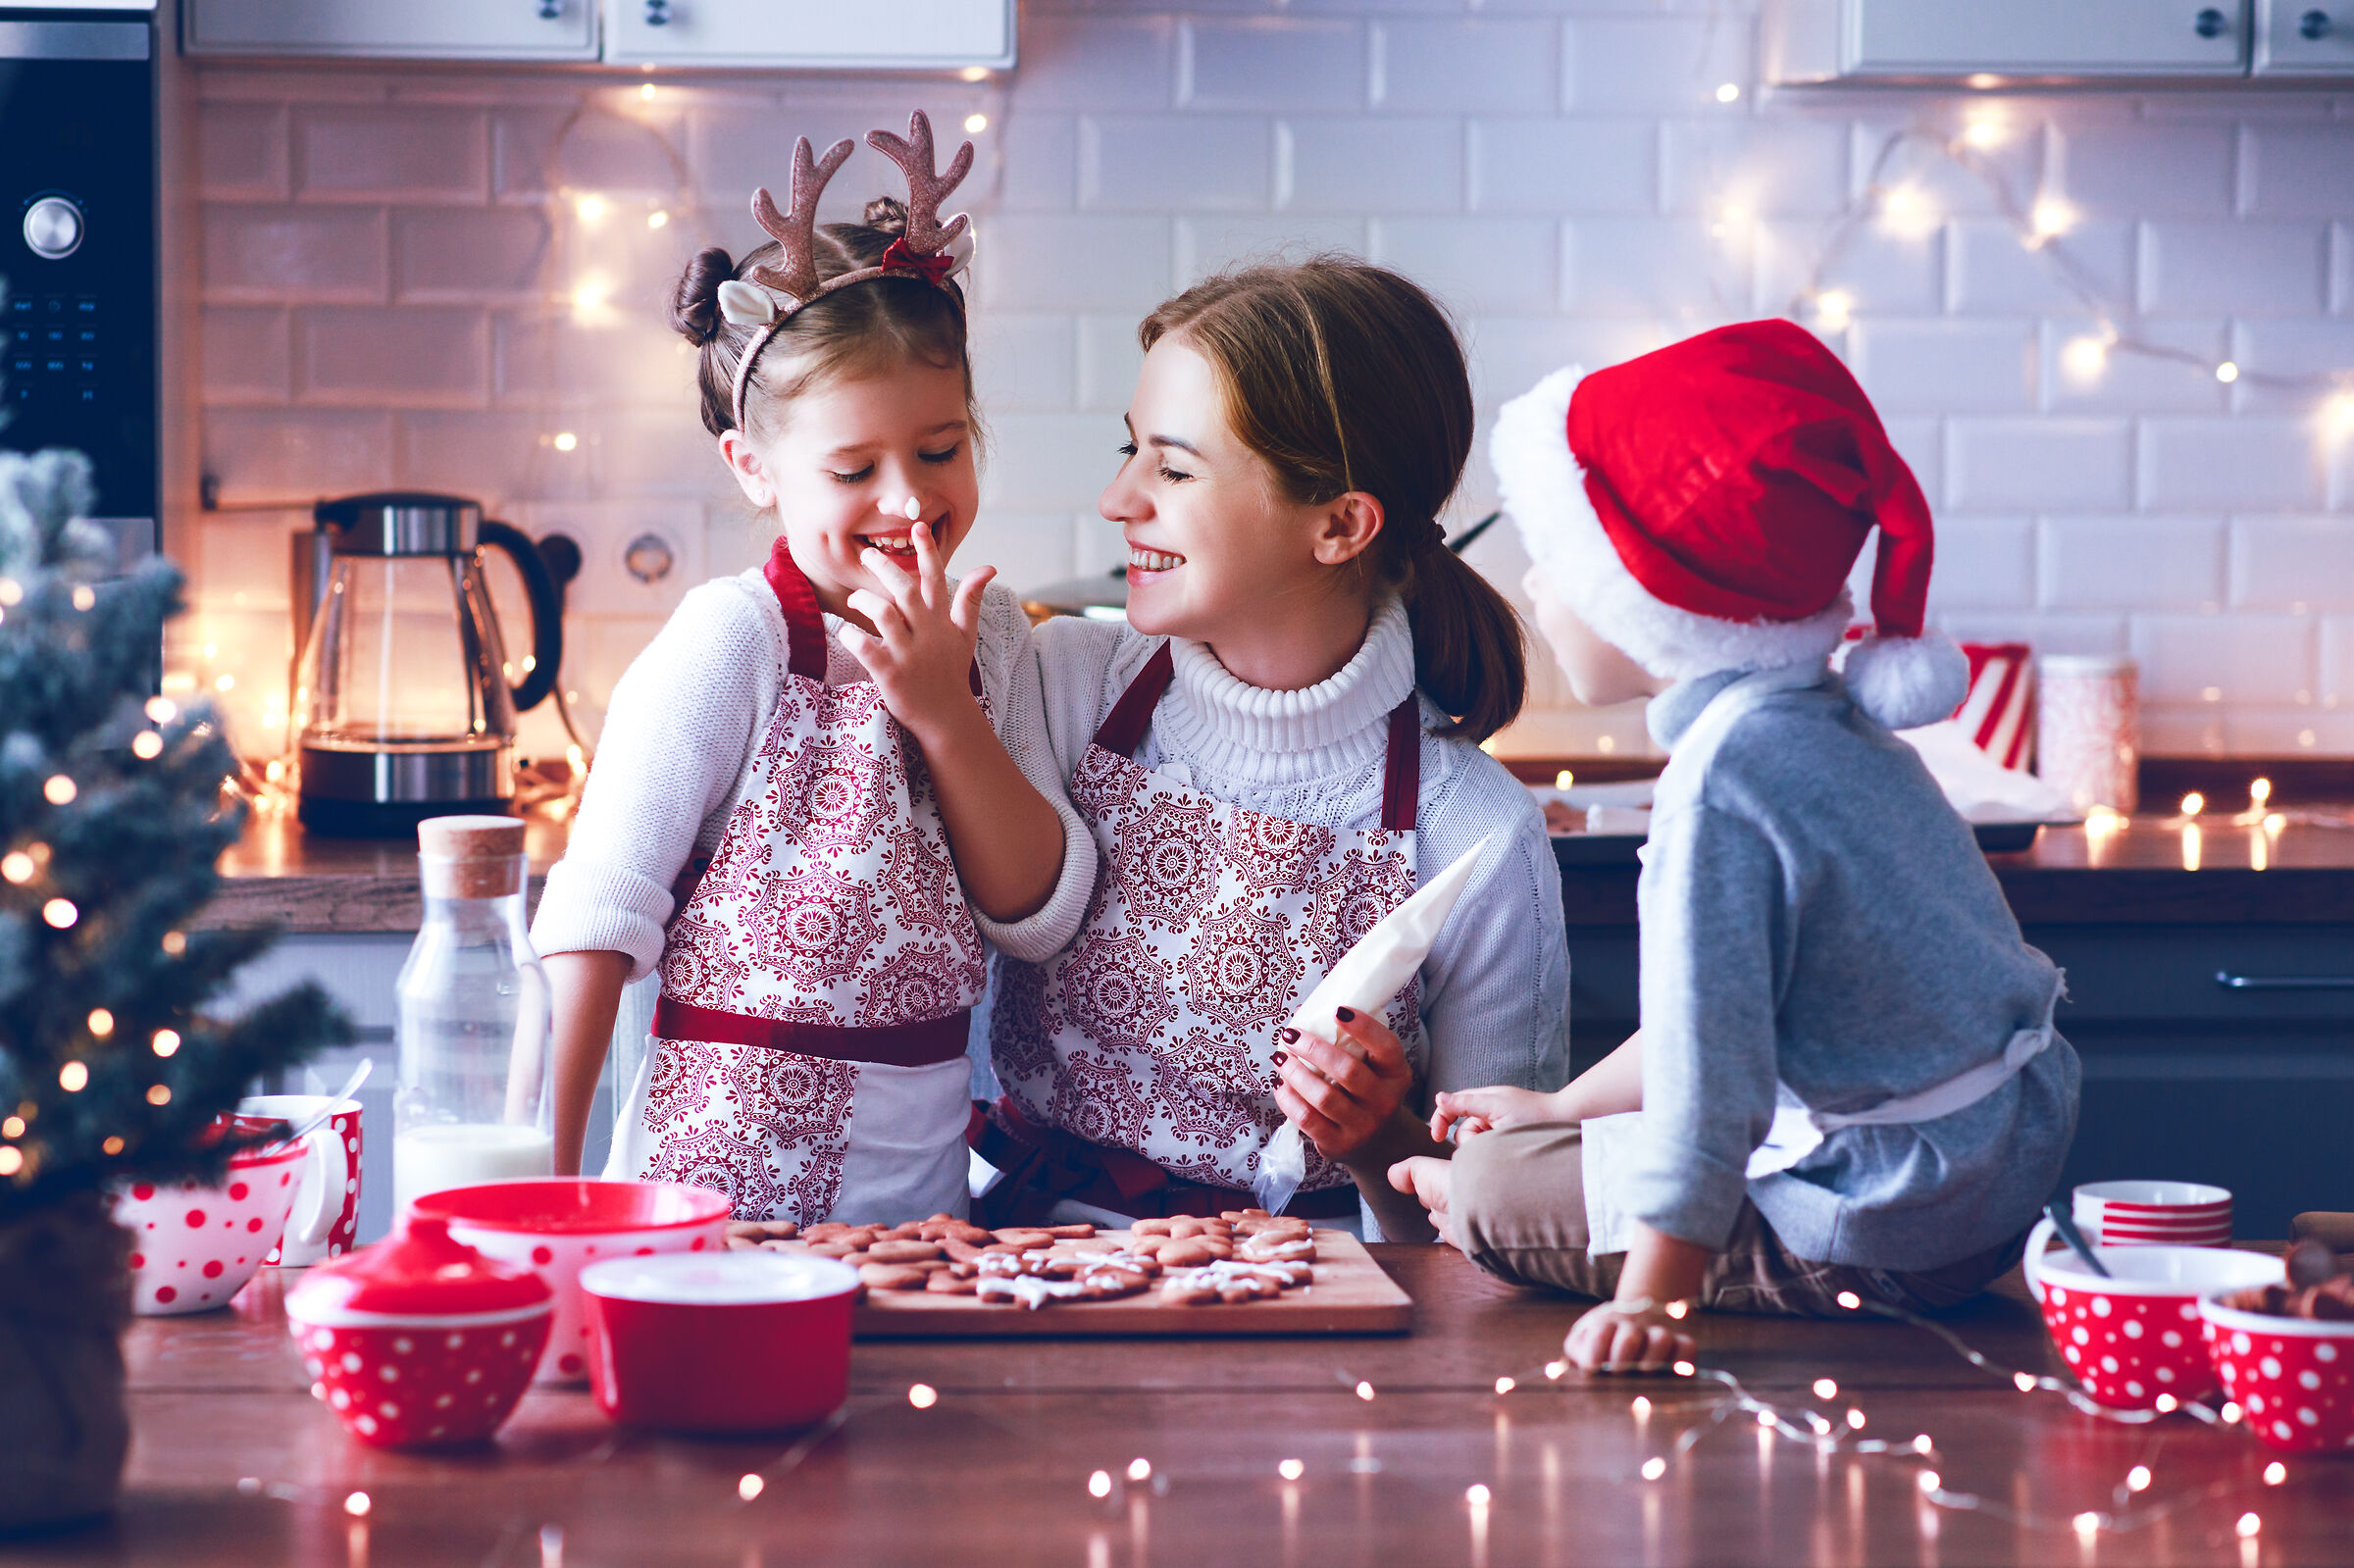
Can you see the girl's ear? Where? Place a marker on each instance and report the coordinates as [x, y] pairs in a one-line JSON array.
[[751, 475], [1347, 527]]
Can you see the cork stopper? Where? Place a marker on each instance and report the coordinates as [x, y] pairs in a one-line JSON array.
[[471, 857]]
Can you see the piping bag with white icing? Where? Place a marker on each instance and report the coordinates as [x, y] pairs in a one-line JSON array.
[[1365, 979]]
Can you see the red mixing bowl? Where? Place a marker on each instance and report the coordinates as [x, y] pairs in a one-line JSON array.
[[725, 1341]]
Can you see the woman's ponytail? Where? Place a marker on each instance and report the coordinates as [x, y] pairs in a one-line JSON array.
[[1347, 377]]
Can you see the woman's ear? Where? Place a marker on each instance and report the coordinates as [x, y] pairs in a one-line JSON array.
[[744, 461], [1347, 527]]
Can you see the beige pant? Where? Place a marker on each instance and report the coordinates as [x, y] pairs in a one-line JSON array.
[[1518, 1204]]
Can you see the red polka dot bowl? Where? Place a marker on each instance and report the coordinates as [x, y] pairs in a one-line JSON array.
[[193, 1247], [560, 1225], [420, 1342], [2136, 1336], [2293, 1377]]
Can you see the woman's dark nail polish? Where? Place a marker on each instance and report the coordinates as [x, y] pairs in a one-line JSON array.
[[1290, 1036], [1282, 1057], [1346, 1015]]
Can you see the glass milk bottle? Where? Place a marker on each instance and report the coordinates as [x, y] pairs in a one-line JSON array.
[[472, 1102]]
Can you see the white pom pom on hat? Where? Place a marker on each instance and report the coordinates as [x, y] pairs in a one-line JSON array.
[[1702, 506]]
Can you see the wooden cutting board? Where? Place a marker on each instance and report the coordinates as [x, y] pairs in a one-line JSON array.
[[1349, 1294]]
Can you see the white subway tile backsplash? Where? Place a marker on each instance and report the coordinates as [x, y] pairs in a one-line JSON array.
[[1911, 365], [1465, 64], [2000, 465], [1394, 164], [407, 356], [1989, 271], [2232, 464], [1672, 64], [2258, 269], [1199, 163], [1282, 65], [1653, 266], [2129, 563], [2220, 659], [1563, 165], [2293, 563], [470, 253], [241, 151], [1476, 264], [2295, 171], [404, 243], [1779, 167], [273, 255], [419, 155], [2123, 168], [248, 355]]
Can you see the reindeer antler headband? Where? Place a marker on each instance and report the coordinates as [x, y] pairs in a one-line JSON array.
[[768, 295]]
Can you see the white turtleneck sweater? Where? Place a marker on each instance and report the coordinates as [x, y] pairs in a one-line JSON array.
[[675, 760], [1496, 987]]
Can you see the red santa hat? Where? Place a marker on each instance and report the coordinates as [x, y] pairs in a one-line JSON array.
[[1700, 508]]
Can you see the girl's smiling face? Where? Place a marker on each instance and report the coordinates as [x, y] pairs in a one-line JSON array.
[[849, 455], [1216, 553]]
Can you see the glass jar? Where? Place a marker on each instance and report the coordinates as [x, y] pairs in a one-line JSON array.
[[472, 1101]]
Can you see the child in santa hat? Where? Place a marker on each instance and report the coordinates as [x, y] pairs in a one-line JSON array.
[[1846, 1078]]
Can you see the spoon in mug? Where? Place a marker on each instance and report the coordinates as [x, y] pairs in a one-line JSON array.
[[351, 1085], [2067, 1227]]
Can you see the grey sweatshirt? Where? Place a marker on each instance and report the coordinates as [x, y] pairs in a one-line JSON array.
[[1819, 915]]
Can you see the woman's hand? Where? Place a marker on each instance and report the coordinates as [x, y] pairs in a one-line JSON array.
[[1626, 1337], [1430, 1182], [920, 653], [1481, 1110], [1343, 1094]]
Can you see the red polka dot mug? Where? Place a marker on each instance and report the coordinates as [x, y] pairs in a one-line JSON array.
[[2134, 1337], [339, 1166], [2295, 1377], [193, 1247]]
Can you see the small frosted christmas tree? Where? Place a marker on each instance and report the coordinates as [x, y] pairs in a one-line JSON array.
[[111, 813]]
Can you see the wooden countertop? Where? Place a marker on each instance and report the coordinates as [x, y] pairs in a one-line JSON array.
[[277, 874], [233, 1463]]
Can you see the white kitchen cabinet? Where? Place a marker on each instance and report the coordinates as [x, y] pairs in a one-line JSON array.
[[870, 34], [393, 30], [2304, 38], [2010, 41]]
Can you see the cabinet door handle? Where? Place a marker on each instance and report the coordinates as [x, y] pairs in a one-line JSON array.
[[2230, 982], [2207, 24], [657, 12], [551, 10], [2314, 26]]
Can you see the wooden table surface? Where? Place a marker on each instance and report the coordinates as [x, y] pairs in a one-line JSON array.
[[235, 1463]]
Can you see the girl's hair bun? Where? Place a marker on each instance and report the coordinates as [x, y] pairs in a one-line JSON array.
[[888, 216], [694, 305]]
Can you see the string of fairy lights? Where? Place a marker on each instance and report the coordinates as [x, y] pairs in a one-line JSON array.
[[1899, 201]]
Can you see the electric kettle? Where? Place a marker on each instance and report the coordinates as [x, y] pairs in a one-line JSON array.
[[404, 698]]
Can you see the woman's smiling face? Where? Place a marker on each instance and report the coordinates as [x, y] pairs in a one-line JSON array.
[[850, 455], [1214, 548]]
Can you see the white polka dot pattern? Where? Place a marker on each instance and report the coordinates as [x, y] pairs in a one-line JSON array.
[[2128, 1350], [402, 1387], [2297, 1388]]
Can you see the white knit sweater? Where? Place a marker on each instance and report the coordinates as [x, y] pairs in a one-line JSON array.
[[1496, 989], [675, 760]]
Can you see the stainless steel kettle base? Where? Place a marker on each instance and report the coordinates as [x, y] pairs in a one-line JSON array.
[[387, 819]]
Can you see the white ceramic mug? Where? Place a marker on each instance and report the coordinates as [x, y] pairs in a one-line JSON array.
[[326, 1208]]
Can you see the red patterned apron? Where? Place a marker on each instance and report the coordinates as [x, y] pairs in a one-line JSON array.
[[809, 1045], [1155, 1031]]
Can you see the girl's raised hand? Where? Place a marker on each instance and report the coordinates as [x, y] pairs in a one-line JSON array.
[[920, 653], [1479, 1110]]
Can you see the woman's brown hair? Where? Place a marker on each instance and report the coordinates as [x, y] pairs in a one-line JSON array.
[[1347, 377], [864, 328]]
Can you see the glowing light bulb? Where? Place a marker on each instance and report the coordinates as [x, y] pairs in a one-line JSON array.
[[175, 943], [1825, 1388], [1728, 93], [2050, 218], [1654, 1468], [1140, 1469], [166, 1041], [2085, 358], [2088, 1524], [2193, 803], [357, 1505], [60, 913], [922, 1396], [60, 790], [1477, 1495], [2227, 373], [974, 125], [2248, 1527], [2024, 1382], [1834, 308], [11, 1160], [1365, 1391], [1505, 1384], [750, 1487], [591, 209], [101, 1022], [1854, 1420], [564, 440], [657, 218], [17, 867], [1640, 1405], [1849, 1300], [2260, 790], [973, 73], [1683, 1369], [1564, 780], [146, 746], [113, 1145], [2230, 1413], [1680, 1310], [1927, 1481], [73, 1076], [84, 596], [2166, 1404], [2137, 1479], [1922, 1442], [227, 682], [1099, 1485], [162, 710], [159, 1095], [12, 1127], [645, 91], [1985, 131], [1291, 1469], [2275, 1473], [2337, 415]]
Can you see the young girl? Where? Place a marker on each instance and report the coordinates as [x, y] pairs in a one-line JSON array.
[[1847, 1079], [1279, 741], [850, 740]]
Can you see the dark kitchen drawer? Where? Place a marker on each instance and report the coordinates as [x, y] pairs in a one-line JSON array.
[[2169, 971]]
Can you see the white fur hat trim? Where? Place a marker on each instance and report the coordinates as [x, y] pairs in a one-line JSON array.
[[1545, 491]]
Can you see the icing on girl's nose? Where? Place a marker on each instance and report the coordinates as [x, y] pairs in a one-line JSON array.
[[912, 510]]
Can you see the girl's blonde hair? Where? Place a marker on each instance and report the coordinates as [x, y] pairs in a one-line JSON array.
[[1347, 377], [865, 328]]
